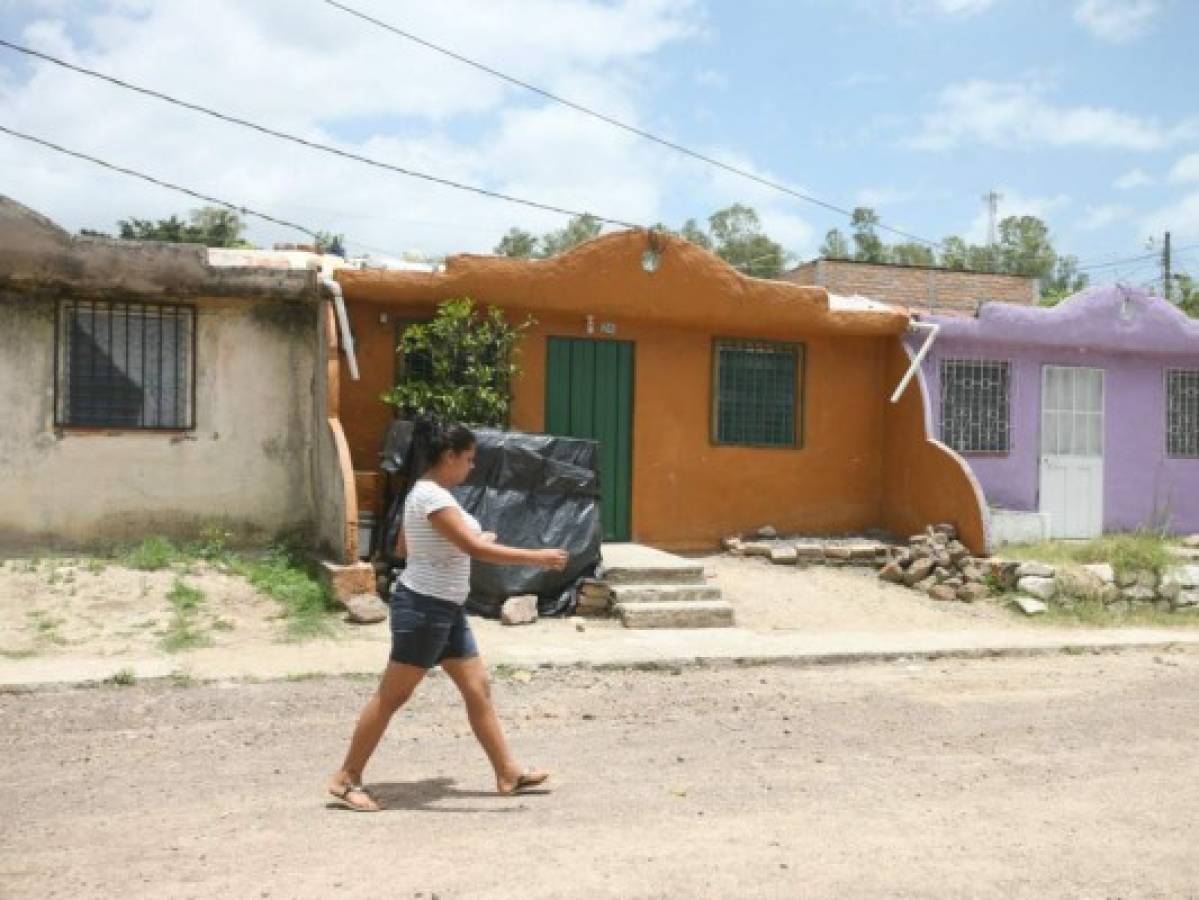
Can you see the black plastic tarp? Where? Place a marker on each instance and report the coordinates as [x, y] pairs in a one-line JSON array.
[[532, 490]]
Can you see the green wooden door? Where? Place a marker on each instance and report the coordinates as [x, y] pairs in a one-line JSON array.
[[589, 394]]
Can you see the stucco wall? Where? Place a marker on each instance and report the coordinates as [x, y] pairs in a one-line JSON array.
[[924, 482], [1134, 338], [686, 492], [1142, 486], [247, 465]]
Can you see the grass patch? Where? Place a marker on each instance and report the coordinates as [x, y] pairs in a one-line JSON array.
[[184, 631], [1094, 614], [23, 653], [150, 555], [283, 574], [46, 627], [95, 566], [1127, 553]]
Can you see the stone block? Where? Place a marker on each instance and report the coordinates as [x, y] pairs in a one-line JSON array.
[[943, 592], [1187, 576], [366, 609], [973, 592], [784, 556], [809, 551], [918, 571], [756, 548], [1138, 593], [1080, 584], [1034, 570], [521, 610], [732, 544], [973, 573], [892, 572], [1030, 606], [1039, 586], [1103, 571], [768, 532], [841, 553], [1186, 600], [946, 529], [925, 586], [344, 582]]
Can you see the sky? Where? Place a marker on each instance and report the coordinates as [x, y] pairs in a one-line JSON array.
[[1082, 112]]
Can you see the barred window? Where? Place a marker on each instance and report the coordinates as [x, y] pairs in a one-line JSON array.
[[975, 405], [125, 365], [1182, 412], [757, 393]]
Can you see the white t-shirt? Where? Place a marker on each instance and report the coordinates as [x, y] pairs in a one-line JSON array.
[[435, 566]]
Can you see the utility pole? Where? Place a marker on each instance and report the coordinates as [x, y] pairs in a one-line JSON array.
[[992, 198], [1166, 267]]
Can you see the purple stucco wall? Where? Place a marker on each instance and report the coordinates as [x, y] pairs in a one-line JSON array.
[[1134, 337]]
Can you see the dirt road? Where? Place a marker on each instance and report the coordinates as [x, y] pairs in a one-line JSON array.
[[1059, 777]]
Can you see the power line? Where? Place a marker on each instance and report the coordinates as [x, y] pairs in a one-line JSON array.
[[313, 145], [244, 210], [616, 123]]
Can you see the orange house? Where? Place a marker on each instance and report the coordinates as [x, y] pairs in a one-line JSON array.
[[722, 403]]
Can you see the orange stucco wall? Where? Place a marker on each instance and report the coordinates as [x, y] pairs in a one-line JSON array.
[[924, 482], [686, 492]]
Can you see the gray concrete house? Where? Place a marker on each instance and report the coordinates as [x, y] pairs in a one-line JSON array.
[[150, 388]]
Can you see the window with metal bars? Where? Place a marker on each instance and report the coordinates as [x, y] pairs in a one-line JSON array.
[[125, 365], [757, 397], [1182, 413], [975, 405]]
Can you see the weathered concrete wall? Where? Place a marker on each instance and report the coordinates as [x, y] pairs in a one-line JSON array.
[[247, 465]]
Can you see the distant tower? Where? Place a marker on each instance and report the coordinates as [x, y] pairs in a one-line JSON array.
[[992, 198]]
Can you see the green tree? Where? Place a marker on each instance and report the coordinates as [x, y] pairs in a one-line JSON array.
[[1025, 247], [692, 232], [328, 242], [835, 245], [577, 231], [517, 243], [1186, 294], [955, 253], [212, 226], [460, 366], [912, 254], [738, 239], [868, 246]]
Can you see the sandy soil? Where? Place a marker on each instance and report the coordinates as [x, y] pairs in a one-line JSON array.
[[98, 608], [70, 606], [1040, 778], [768, 596]]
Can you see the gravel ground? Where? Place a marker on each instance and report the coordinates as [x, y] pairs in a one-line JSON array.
[[1049, 777]]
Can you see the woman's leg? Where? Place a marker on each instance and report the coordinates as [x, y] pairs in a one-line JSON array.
[[470, 676], [395, 687]]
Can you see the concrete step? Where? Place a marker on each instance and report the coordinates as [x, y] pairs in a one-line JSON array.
[[664, 593], [638, 564], [676, 614]]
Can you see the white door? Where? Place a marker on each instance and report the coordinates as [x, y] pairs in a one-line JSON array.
[[1072, 451]]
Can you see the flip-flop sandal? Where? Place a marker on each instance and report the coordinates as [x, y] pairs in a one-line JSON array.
[[344, 797], [526, 781]]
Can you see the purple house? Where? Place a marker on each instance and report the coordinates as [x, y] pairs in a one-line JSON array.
[[1076, 419]]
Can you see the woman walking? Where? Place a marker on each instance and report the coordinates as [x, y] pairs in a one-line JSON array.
[[428, 620]]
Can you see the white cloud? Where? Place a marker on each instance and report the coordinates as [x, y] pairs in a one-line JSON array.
[[1006, 114], [1134, 178], [1186, 169], [1116, 21], [1181, 219], [324, 75], [1098, 217], [1015, 203]]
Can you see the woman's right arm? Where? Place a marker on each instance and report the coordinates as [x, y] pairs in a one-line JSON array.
[[450, 525]]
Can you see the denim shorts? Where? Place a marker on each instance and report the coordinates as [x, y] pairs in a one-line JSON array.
[[425, 630]]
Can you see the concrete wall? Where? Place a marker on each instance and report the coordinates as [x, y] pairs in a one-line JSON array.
[[923, 289], [247, 464]]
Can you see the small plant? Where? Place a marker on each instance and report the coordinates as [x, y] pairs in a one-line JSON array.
[[183, 632], [1129, 553], [46, 626], [95, 566], [123, 677], [150, 555], [213, 543], [283, 574], [182, 678]]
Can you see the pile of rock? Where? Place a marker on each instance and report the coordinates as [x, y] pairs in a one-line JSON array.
[[810, 551], [595, 598], [1175, 590], [938, 564]]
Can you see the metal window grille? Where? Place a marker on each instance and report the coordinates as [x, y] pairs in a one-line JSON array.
[[975, 405], [1182, 412], [126, 365], [757, 389]]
